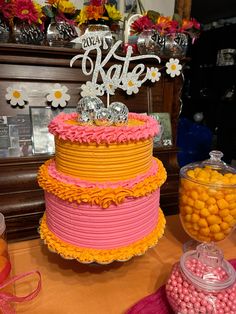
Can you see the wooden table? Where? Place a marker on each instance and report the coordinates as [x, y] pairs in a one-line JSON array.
[[69, 287]]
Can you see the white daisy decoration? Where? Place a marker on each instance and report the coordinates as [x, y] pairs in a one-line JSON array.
[[91, 89], [153, 74], [16, 96], [131, 84], [110, 87], [58, 96], [173, 67]]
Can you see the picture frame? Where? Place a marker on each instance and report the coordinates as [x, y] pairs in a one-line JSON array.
[[42, 140], [164, 139]]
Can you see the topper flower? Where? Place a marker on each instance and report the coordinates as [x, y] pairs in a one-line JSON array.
[[131, 84], [153, 74], [16, 96], [58, 96], [90, 89], [173, 67]]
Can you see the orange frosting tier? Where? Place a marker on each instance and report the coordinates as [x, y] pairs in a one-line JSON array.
[[102, 256], [103, 162], [97, 195]]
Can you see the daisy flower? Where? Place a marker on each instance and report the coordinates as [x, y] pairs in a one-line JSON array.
[[16, 96], [58, 96], [131, 84], [153, 74], [90, 89], [173, 67]]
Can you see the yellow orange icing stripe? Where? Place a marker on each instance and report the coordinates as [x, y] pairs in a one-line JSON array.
[[87, 255], [113, 162], [97, 196]]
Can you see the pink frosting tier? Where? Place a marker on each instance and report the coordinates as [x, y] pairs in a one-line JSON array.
[[146, 127], [93, 227]]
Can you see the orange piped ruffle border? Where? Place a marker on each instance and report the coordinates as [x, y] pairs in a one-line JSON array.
[[88, 255], [98, 196]]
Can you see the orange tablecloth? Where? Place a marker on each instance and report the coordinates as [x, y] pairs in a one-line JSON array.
[[72, 288]]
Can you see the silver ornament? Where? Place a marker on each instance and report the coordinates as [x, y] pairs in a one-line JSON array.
[[103, 117], [89, 104], [120, 113], [119, 108], [120, 119], [85, 118]]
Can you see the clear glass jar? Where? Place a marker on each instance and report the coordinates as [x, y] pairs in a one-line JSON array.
[[207, 199], [98, 33], [202, 282], [5, 265]]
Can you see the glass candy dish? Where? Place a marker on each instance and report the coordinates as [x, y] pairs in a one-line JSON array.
[[202, 282], [207, 199]]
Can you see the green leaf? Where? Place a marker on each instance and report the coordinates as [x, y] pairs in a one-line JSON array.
[[153, 15], [47, 10]]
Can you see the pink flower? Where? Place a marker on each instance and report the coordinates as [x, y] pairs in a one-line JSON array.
[[26, 11], [6, 8], [141, 24], [96, 3]]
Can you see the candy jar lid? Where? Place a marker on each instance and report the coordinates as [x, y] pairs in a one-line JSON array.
[[207, 269], [217, 166]]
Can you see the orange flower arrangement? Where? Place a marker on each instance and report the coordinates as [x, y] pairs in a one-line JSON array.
[[165, 24], [99, 11]]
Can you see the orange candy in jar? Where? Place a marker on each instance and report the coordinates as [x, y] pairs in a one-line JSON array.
[[207, 199], [5, 265]]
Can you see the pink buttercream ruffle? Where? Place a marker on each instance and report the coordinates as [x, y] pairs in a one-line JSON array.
[[103, 185], [103, 134]]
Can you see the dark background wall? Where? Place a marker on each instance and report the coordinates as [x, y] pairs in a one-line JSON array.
[[209, 88]]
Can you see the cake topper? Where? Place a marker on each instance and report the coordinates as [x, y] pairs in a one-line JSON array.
[[105, 79]]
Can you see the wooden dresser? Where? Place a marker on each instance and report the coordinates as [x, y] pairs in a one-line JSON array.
[[37, 69]]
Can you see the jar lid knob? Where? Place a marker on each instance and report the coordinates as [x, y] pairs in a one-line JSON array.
[[216, 155], [210, 255]]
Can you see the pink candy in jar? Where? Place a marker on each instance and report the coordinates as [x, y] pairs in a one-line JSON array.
[[203, 282]]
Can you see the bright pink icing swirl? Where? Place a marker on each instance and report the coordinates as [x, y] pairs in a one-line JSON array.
[[103, 185], [103, 134]]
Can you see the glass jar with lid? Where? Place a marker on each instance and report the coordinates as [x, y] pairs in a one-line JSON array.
[[207, 199], [202, 282]]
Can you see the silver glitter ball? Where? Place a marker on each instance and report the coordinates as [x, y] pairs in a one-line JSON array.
[[85, 118], [103, 117], [120, 113], [89, 104], [120, 119], [118, 108]]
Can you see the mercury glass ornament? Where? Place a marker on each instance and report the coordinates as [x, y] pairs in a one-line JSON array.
[[85, 118], [120, 120], [120, 113], [119, 108], [103, 117], [90, 105]]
